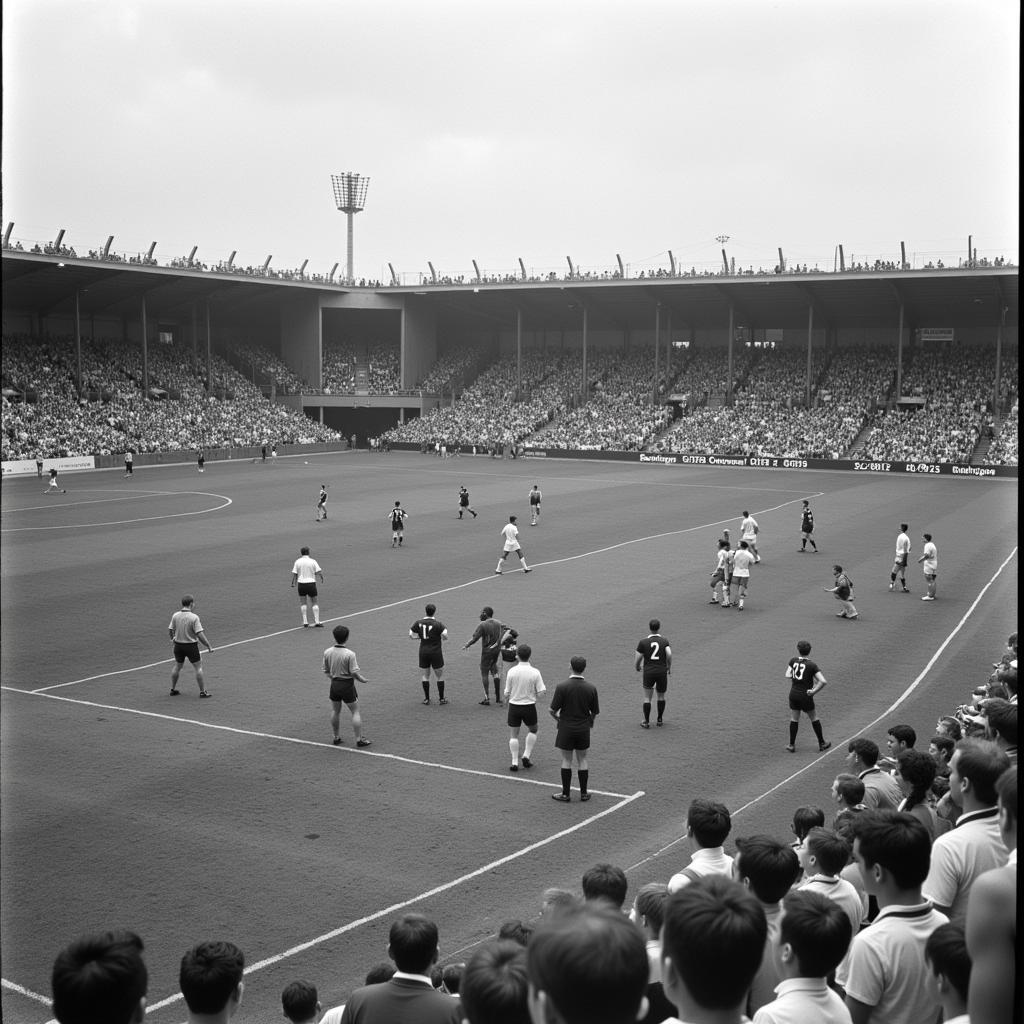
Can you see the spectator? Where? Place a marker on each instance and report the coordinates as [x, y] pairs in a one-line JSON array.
[[769, 869], [915, 773], [881, 791], [848, 792], [994, 995], [555, 899], [946, 954], [823, 856], [516, 931], [940, 749], [1000, 720], [899, 738], [975, 845], [211, 982], [451, 978], [605, 882], [648, 914], [708, 824], [300, 1002], [100, 977], [804, 819], [950, 727], [810, 942], [494, 985], [712, 944], [885, 976], [587, 965]]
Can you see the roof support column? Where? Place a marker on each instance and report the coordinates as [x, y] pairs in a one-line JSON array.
[[668, 346], [899, 358], [519, 354], [732, 331], [145, 352], [999, 358], [209, 367], [657, 360], [78, 345], [586, 387], [810, 336]]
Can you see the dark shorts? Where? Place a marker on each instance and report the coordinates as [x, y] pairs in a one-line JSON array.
[[489, 661], [568, 738], [431, 659], [901, 560], [799, 701], [522, 714], [807, 529], [396, 527], [183, 651], [307, 589], [344, 690], [656, 681]]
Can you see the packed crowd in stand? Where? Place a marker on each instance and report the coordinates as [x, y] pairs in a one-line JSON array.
[[890, 900], [113, 416], [268, 368], [341, 360], [455, 366], [1005, 447]]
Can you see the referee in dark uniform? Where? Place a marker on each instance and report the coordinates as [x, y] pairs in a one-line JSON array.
[[574, 706]]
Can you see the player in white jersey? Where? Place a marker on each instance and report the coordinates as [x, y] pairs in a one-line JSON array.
[[511, 534], [742, 560], [718, 574], [748, 532], [899, 565], [930, 558]]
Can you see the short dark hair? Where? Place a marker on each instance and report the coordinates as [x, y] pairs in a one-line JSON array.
[[299, 1000], [412, 943], [577, 663], [486, 612], [607, 882], [516, 931], [99, 977], [944, 744], [304, 551], [927, 536], [982, 762], [710, 822], [340, 633], [714, 933], [654, 624], [650, 904], [919, 770], [523, 652], [896, 841], [950, 723], [850, 788], [904, 526], [946, 953], [1006, 787], [771, 867], [829, 849], [188, 600], [430, 609], [865, 749], [379, 973], [819, 931], [1002, 718], [803, 647], [512, 519], [591, 962], [903, 734], [805, 818], [210, 974], [451, 977], [494, 985]]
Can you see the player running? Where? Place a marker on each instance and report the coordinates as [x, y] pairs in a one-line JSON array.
[[321, 503], [844, 592], [535, 497], [807, 527], [54, 486], [398, 516], [464, 502]]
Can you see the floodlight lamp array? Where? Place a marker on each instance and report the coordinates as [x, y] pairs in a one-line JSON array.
[[349, 191]]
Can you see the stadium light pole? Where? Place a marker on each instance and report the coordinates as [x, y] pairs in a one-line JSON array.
[[350, 198]]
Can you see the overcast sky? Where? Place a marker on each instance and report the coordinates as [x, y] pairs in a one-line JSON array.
[[499, 130]]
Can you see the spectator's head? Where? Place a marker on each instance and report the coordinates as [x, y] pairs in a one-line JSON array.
[[945, 952], [892, 850], [708, 822], [973, 771], [769, 868], [803, 648], [554, 900], [863, 753], [379, 973], [605, 882], [578, 664], [587, 966], [805, 818], [848, 790], [100, 977], [712, 944], [900, 737], [649, 908], [412, 943], [451, 978], [1001, 719], [300, 1003], [516, 931], [949, 726], [655, 625], [494, 985], [940, 749], [1006, 787], [813, 936], [744, 545], [823, 852], [211, 978], [915, 772], [523, 652], [430, 609], [340, 634]]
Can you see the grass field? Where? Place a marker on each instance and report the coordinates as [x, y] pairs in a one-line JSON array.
[[236, 817]]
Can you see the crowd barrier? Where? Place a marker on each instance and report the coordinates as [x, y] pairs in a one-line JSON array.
[[753, 461]]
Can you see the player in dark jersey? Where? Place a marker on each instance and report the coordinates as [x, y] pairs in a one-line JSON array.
[[805, 680], [654, 657], [489, 633], [321, 503], [807, 527], [398, 516], [535, 498], [464, 502], [431, 632]]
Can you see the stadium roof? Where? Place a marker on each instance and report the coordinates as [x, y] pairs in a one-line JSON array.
[[965, 297]]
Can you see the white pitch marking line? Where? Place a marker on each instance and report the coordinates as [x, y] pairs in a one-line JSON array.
[[127, 522], [888, 711], [96, 501], [407, 600], [22, 991]]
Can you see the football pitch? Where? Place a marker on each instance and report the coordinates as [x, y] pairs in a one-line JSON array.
[[235, 818]]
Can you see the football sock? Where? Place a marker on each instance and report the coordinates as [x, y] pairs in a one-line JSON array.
[[793, 729], [316, 613], [813, 545], [647, 710], [584, 777], [892, 576], [513, 746], [440, 689], [305, 615], [566, 780], [425, 683], [816, 726], [531, 740], [661, 709]]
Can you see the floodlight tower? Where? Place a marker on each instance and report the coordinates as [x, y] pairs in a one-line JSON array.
[[350, 198]]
